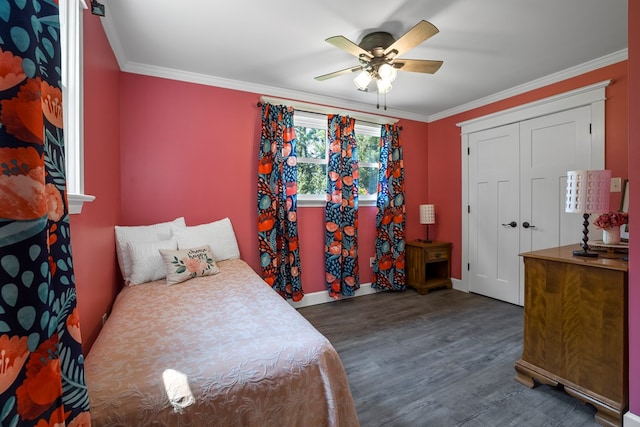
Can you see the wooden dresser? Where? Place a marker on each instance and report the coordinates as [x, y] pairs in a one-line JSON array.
[[428, 265], [575, 328]]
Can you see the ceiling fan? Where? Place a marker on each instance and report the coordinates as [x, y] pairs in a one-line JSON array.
[[378, 55]]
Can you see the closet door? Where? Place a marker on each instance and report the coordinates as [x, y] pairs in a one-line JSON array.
[[517, 181], [549, 147], [494, 219]]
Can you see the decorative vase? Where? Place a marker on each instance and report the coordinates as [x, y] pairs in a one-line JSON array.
[[611, 236]]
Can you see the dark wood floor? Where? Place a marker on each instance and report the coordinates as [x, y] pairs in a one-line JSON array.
[[441, 359]]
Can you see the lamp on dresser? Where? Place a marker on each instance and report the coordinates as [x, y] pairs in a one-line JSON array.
[[588, 192], [427, 216]]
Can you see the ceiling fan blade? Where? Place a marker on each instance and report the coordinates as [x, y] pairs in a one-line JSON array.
[[348, 46], [338, 73], [417, 65], [412, 38]]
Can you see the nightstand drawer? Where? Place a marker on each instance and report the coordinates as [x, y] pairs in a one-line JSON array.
[[437, 255]]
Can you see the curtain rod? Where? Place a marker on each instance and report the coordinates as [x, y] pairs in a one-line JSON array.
[[315, 109]]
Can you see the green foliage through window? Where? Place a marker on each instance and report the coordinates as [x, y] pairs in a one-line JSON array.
[[368, 156], [311, 152]]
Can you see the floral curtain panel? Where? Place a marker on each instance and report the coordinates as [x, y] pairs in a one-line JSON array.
[[277, 202], [41, 361], [389, 271], [341, 211]]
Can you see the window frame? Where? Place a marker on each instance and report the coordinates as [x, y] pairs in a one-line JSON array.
[[71, 35], [375, 131], [319, 121]]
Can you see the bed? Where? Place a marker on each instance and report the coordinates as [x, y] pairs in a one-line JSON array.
[[214, 350]]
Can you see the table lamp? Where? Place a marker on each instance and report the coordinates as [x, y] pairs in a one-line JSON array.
[[587, 192], [427, 216]]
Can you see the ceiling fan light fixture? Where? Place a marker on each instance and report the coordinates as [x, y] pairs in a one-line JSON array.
[[378, 53], [362, 80], [387, 72], [384, 86]]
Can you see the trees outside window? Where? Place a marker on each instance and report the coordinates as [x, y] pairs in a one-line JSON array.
[[311, 152]]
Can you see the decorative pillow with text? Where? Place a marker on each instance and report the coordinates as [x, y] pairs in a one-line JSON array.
[[185, 264]]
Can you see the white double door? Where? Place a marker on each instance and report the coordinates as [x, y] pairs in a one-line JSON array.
[[517, 182]]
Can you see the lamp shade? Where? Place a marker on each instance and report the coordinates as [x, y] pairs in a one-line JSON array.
[[588, 191], [427, 214]]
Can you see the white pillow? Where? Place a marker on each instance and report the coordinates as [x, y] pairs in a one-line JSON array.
[[219, 235], [140, 233], [185, 264], [147, 264]]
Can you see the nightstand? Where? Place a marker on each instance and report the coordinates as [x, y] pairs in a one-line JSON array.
[[428, 265]]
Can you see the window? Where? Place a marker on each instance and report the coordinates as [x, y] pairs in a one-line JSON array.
[[312, 154], [368, 138], [71, 49]]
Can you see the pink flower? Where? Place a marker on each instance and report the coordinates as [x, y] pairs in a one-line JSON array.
[[21, 116], [55, 205], [11, 72], [43, 383], [22, 186], [191, 264], [13, 355], [611, 219], [73, 325], [52, 104]]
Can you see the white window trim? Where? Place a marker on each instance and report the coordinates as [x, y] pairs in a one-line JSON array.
[[316, 120], [313, 120], [370, 131], [72, 88]]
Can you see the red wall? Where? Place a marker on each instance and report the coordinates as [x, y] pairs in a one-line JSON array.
[[634, 206], [158, 146], [92, 237], [444, 156], [191, 150]]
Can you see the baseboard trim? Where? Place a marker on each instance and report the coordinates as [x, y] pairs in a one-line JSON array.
[[322, 297], [631, 420]]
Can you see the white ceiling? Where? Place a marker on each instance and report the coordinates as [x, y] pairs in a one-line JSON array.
[[490, 48]]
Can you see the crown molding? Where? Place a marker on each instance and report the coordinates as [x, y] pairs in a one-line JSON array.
[[174, 74], [619, 56], [264, 90]]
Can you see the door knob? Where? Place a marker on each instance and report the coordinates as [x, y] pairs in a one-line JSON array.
[[512, 224], [527, 225]]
